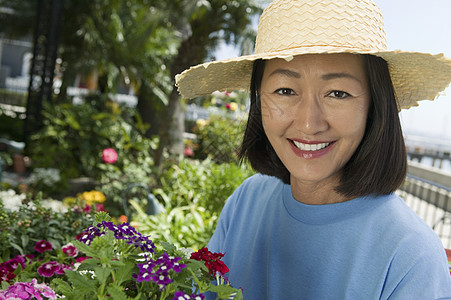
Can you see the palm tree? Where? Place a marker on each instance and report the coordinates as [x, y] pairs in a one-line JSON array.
[[202, 24]]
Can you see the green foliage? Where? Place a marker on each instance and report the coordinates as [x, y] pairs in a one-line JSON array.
[[193, 193], [74, 137], [30, 222], [220, 139], [203, 183], [185, 226]]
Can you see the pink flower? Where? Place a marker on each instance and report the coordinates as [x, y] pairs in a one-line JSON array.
[[99, 207], [43, 246], [87, 208], [45, 290], [70, 250], [28, 290], [63, 267], [82, 258], [109, 155], [188, 152], [49, 269]]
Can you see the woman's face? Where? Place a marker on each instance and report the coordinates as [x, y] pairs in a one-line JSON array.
[[314, 112]]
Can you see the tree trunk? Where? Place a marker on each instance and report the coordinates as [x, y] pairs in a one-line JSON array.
[[150, 110], [172, 129], [191, 52]]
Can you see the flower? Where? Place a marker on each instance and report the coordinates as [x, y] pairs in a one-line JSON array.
[[70, 250], [8, 267], [188, 152], [43, 246], [28, 290], [182, 296], [159, 270], [92, 197], [212, 260], [109, 156], [123, 218], [48, 269]]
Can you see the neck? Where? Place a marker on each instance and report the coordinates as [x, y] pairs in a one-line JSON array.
[[316, 193]]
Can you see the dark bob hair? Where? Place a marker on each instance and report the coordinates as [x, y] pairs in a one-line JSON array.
[[378, 165]]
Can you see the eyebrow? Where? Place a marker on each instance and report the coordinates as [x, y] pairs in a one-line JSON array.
[[328, 76], [331, 76], [285, 72]]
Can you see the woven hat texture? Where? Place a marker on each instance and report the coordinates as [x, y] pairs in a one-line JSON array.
[[295, 27]]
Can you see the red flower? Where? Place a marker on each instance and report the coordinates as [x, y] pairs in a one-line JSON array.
[[70, 250], [49, 268], [87, 208], [43, 246], [109, 155], [212, 260], [81, 258]]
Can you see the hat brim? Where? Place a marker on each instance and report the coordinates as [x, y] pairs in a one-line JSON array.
[[416, 76]]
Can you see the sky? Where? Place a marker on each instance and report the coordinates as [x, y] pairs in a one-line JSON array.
[[414, 25]]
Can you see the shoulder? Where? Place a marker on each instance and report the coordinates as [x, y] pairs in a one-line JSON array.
[[253, 194], [401, 220], [256, 186]]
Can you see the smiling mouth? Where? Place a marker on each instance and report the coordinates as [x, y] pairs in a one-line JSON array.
[[310, 147]]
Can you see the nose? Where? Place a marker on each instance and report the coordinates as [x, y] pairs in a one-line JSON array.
[[309, 116]]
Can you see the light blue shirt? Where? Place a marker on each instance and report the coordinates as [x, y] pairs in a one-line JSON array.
[[367, 248]]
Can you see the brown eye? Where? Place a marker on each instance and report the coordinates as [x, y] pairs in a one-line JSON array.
[[339, 94], [285, 91]]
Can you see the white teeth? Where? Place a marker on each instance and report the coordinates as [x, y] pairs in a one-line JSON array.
[[310, 147]]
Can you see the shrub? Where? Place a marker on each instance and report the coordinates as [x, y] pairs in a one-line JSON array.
[[24, 221], [193, 193], [218, 138]]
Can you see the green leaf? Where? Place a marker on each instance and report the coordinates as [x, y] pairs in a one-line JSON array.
[[14, 245], [102, 274], [225, 291], [123, 273], [168, 246], [85, 249], [25, 239], [5, 285], [80, 282], [62, 286], [116, 292]]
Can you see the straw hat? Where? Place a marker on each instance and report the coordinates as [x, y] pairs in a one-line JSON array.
[[294, 27]]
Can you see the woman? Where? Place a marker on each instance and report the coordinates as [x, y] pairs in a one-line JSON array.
[[321, 220]]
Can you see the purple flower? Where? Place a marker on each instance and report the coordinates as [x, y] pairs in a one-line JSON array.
[[159, 270], [70, 250], [122, 231], [182, 296], [43, 246], [162, 279], [49, 269]]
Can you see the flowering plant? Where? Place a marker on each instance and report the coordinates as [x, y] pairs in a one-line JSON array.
[[19, 276], [27, 219], [124, 264]]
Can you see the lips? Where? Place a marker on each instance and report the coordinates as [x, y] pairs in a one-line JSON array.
[[310, 149]]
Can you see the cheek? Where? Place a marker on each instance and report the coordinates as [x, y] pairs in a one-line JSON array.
[[274, 119], [352, 124]]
